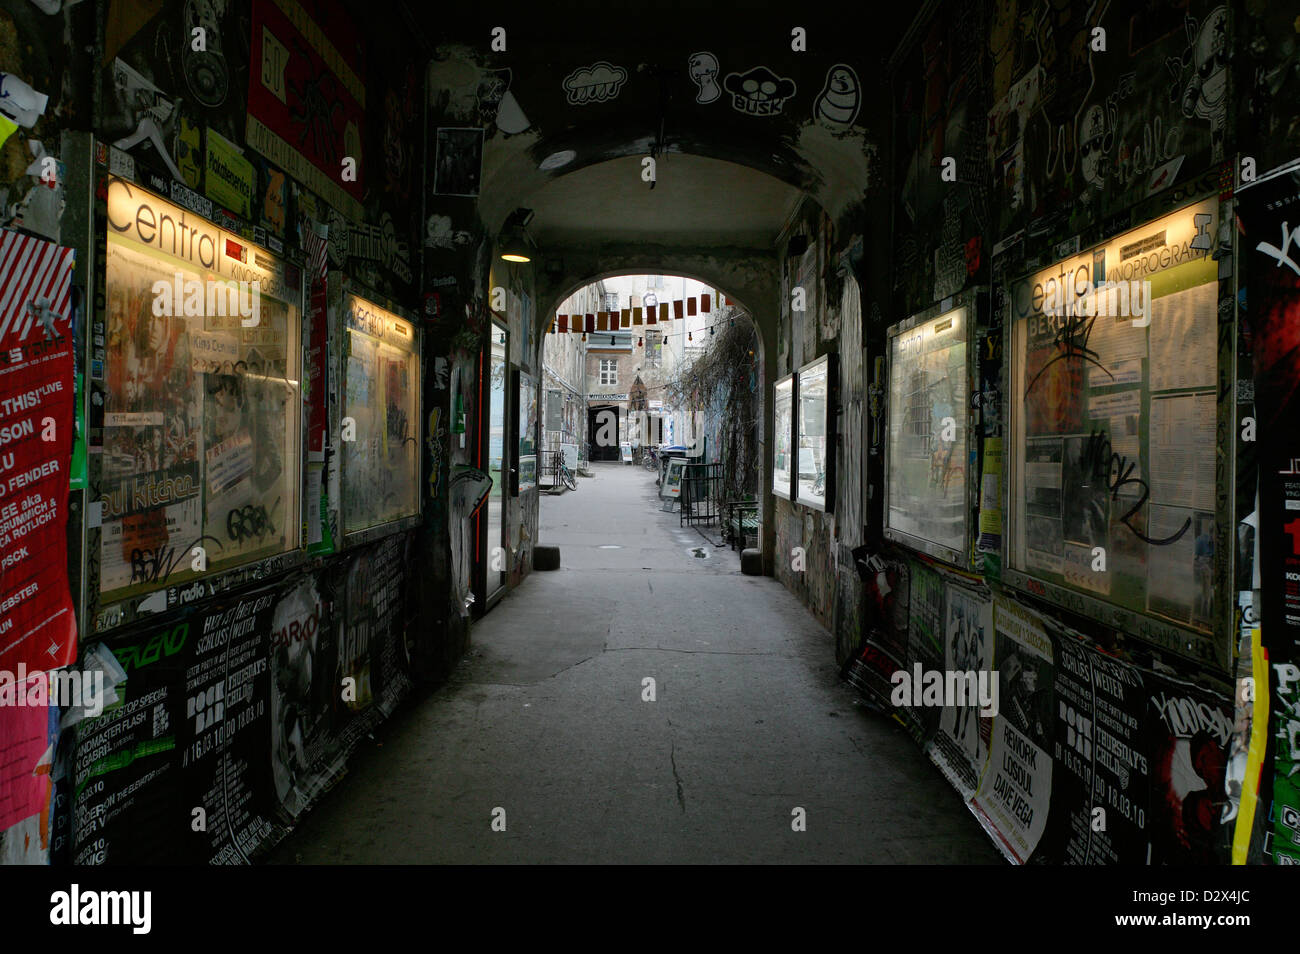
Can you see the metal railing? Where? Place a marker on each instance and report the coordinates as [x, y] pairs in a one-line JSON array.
[[701, 495]]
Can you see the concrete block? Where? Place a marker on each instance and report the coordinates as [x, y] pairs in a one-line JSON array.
[[751, 562], [546, 558]]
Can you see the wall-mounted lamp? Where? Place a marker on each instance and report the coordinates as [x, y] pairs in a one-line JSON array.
[[515, 246]]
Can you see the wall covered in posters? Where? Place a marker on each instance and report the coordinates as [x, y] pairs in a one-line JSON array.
[[211, 348], [1269, 212], [235, 716], [1089, 151]]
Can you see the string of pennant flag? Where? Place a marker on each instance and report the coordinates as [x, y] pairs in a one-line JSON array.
[[592, 322]]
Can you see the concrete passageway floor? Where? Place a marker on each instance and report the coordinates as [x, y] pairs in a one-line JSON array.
[[545, 718]]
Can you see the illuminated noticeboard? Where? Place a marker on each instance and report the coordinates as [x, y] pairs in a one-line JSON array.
[[783, 437], [202, 433], [927, 450], [381, 417], [1113, 405], [815, 434]]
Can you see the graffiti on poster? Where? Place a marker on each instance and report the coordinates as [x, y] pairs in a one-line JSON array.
[[1189, 737], [203, 399], [37, 622]]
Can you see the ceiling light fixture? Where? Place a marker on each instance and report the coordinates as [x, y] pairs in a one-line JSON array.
[[557, 159], [515, 246]]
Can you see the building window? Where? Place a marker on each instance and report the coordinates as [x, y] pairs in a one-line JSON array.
[[653, 348], [608, 371]]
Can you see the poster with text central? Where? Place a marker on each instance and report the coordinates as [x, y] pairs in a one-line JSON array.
[[38, 626]]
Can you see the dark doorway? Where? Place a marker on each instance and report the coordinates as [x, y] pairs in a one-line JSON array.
[[602, 433]]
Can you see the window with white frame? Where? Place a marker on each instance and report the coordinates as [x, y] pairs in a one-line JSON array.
[[608, 371]]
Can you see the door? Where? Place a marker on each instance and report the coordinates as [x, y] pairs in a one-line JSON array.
[[602, 433], [499, 461]]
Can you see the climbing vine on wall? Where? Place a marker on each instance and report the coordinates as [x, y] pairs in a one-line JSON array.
[[723, 382]]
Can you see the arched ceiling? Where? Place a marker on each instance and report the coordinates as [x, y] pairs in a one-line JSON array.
[[655, 102], [695, 201]]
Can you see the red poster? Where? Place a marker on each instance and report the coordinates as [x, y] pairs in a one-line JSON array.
[[306, 98], [38, 625]]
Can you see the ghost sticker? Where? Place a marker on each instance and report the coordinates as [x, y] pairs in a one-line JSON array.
[[703, 70], [837, 104], [760, 92], [594, 84]]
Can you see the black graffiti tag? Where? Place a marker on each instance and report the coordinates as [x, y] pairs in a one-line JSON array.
[[249, 522], [1072, 342], [156, 564], [1100, 462]]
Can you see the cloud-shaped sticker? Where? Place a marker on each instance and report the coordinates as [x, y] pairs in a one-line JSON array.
[[594, 84], [760, 92]]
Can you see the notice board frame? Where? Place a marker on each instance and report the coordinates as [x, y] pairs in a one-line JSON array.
[[970, 303], [100, 617], [1211, 645]]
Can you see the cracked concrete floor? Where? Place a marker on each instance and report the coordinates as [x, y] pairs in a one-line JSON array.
[[546, 720]]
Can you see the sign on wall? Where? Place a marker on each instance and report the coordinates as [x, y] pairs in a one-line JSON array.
[[307, 98]]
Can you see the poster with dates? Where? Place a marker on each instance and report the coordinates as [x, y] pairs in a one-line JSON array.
[[38, 625], [1100, 779], [175, 771], [1015, 791]]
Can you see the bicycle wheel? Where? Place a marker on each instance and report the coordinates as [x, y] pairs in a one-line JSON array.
[[566, 475]]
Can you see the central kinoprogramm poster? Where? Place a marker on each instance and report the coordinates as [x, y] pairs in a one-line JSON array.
[[202, 431], [1113, 363], [381, 456]]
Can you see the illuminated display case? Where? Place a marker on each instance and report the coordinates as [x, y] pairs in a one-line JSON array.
[[815, 434], [927, 450], [199, 456], [783, 437], [381, 420], [1115, 499]]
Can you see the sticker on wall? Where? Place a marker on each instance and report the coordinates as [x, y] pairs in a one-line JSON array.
[[144, 114], [231, 178], [438, 233], [760, 92], [459, 161], [703, 70], [22, 104], [837, 104], [492, 88], [206, 72], [597, 83]]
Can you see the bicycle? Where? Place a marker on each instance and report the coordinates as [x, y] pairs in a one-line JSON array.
[[566, 476], [650, 459]]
